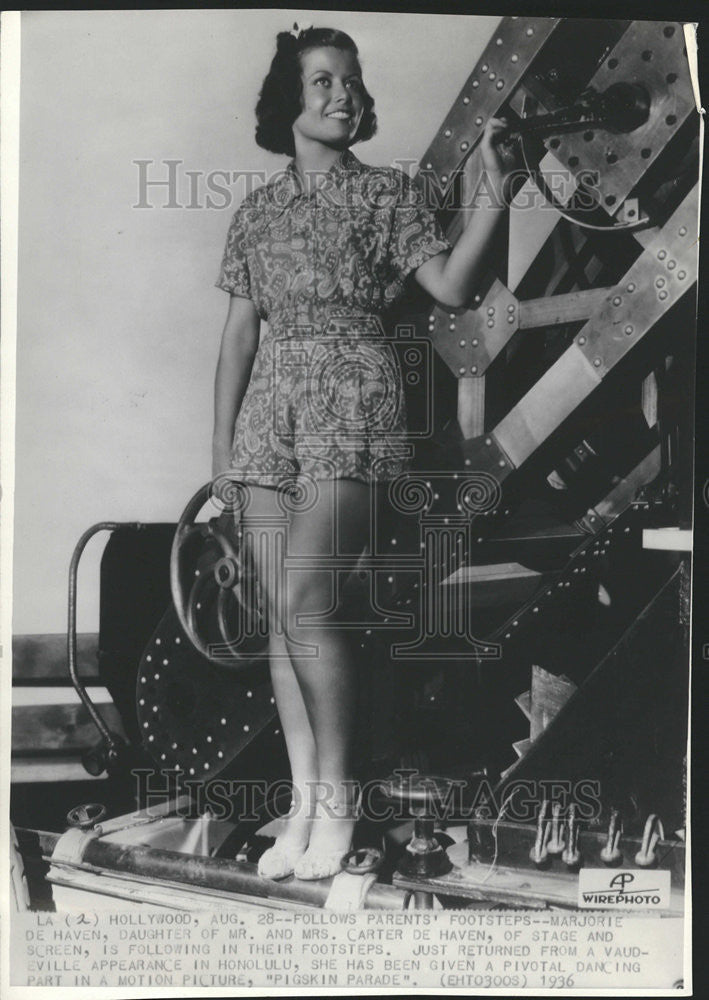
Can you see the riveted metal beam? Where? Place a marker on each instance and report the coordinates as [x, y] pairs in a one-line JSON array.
[[505, 60], [656, 281]]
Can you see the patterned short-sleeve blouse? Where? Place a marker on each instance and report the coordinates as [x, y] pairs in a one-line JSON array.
[[325, 398]]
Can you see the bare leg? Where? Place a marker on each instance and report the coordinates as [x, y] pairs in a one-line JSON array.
[[263, 522], [327, 681]]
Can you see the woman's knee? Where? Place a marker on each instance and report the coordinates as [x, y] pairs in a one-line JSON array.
[[306, 594]]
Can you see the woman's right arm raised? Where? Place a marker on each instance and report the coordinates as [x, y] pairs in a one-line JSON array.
[[236, 356]]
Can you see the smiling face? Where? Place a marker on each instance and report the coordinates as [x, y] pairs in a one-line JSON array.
[[332, 97]]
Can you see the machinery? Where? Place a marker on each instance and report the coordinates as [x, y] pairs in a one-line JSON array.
[[522, 617]]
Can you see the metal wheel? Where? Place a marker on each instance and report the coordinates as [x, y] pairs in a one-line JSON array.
[[214, 588]]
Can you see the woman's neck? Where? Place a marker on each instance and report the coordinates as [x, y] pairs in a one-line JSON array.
[[313, 160]]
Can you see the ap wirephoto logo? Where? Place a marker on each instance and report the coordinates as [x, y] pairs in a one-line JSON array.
[[638, 889]]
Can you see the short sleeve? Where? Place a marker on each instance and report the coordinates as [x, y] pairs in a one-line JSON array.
[[234, 274], [416, 234]]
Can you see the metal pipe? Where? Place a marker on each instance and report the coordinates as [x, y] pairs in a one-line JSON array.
[[221, 874], [71, 629]]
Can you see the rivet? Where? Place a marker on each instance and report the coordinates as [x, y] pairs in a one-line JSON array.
[[451, 326], [508, 635], [535, 610], [514, 58], [671, 265], [393, 541], [467, 462], [436, 496], [661, 254], [145, 725], [431, 318], [491, 311], [178, 640], [220, 753], [498, 41], [273, 701], [478, 120], [447, 133], [163, 756], [474, 342], [191, 770], [597, 362], [510, 319], [445, 520], [683, 230], [390, 579], [464, 145], [462, 343], [530, 32], [174, 746], [223, 722], [617, 300], [484, 68], [466, 100], [631, 286], [276, 732], [660, 283], [488, 441], [444, 178], [428, 166], [148, 658], [474, 369], [155, 708], [500, 84], [246, 729], [451, 315], [476, 298], [628, 329], [501, 463], [209, 739], [681, 275], [515, 624], [164, 663], [662, 295], [431, 327], [491, 322], [196, 572], [142, 701], [582, 340], [511, 307], [475, 84], [491, 75], [157, 677], [461, 371], [206, 766]]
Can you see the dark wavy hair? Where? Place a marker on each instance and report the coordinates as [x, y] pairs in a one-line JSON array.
[[280, 99]]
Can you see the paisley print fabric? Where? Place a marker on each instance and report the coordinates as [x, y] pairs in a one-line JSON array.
[[325, 398]]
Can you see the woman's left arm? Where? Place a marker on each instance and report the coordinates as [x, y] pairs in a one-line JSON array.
[[451, 278]]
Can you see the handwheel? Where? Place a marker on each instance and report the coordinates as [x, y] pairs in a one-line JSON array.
[[214, 587]]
